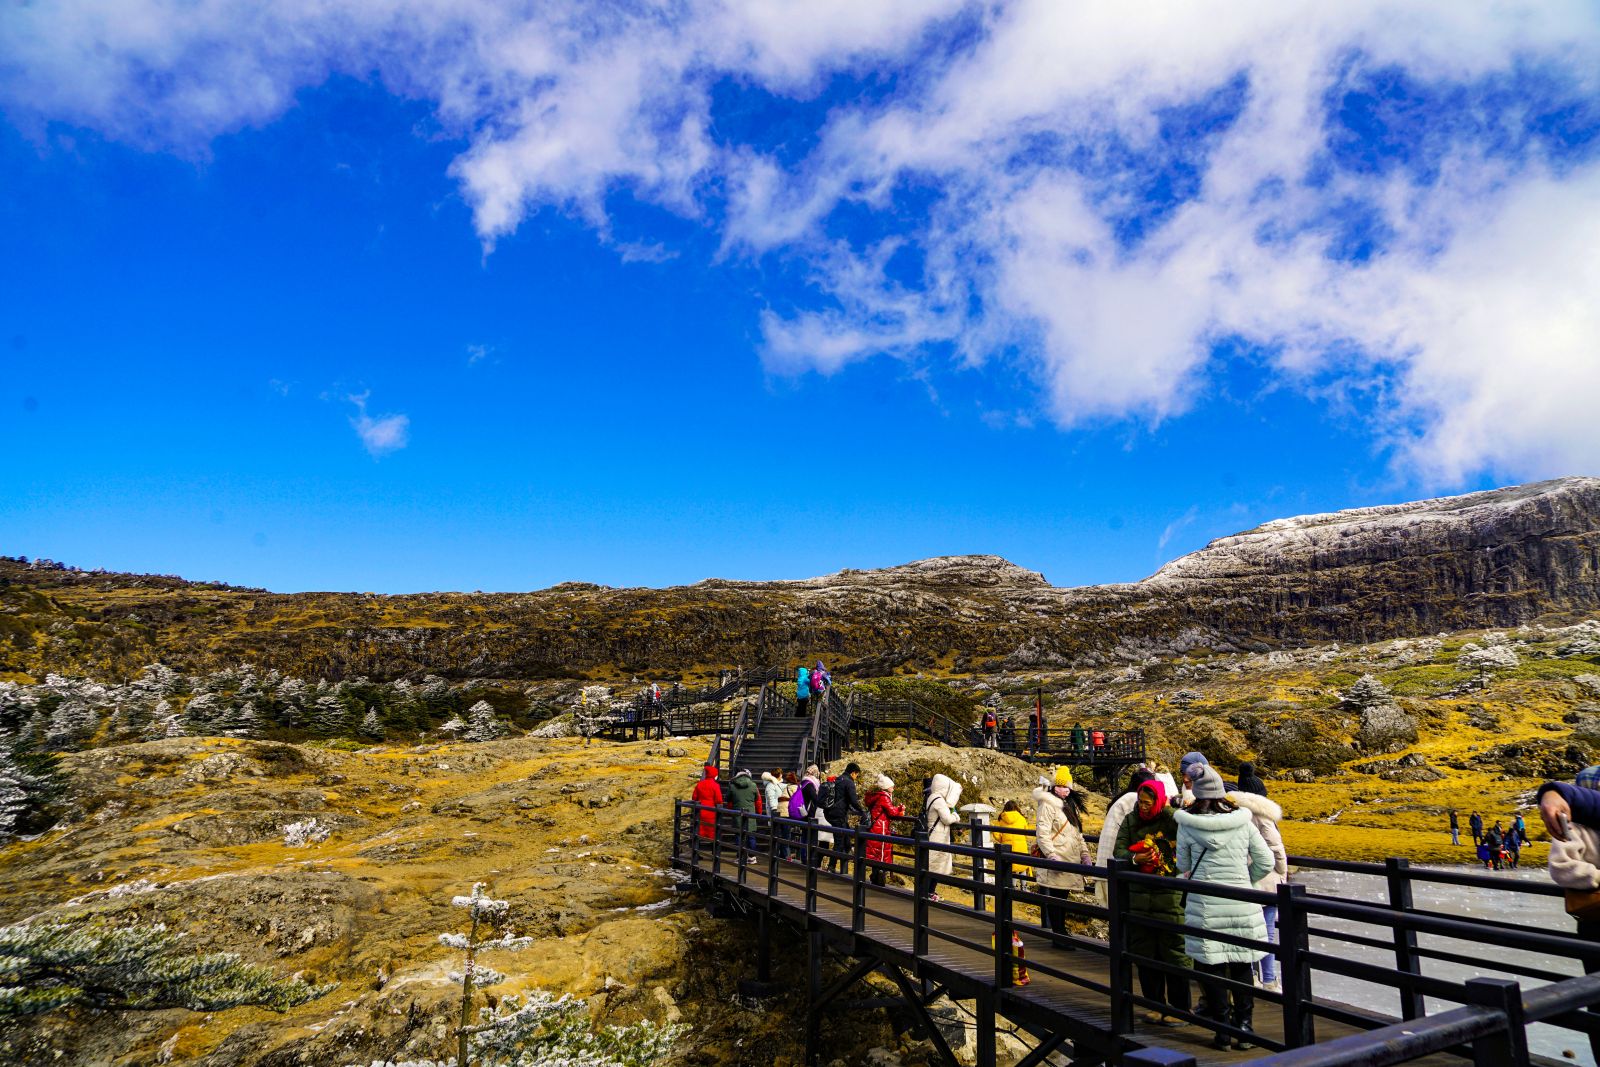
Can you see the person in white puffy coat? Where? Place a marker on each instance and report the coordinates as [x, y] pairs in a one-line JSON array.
[[939, 813], [1267, 815], [1218, 842], [1057, 836], [1575, 865], [1120, 809]]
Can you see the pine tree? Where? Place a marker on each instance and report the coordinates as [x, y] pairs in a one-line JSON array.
[[482, 724], [201, 715], [49, 965], [330, 717], [13, 798], [72, 723], [244, 721], [371, 725]]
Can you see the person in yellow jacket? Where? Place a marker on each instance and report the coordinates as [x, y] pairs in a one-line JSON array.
[[1011, 818]]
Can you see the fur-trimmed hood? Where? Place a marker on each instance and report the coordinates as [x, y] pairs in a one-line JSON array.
[[1041, 795], [766, 776], [1222, 820], [1256, 805]]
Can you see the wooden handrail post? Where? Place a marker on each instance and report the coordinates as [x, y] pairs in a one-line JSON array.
[[1002, 917], [979, 898], [1398, 874], [1294, 942], [694, 834], [919, 907], [772, 855], [677, 829], [858, 896], [716, 841], [1121, 976], [813, 861], [1507, 1049]]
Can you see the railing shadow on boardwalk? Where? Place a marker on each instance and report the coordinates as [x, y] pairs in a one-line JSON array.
[[1081, 994]]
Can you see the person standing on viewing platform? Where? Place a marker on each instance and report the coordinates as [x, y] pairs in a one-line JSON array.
[[1475, 824], [772, 795], [1571, 814], [1250, 781], [1149, 839], [1021, 844], [744, 794], [820, 680], [1218, 842], [1118, 811], [1455, 828], [991, 728], [1008, 734], [939, 814], [1036, 723], [1267, 815], [881, 808], [1058, 835], [708, 791], [1080, 741], [802, 691]]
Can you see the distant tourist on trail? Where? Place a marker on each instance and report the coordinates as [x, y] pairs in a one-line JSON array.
[[708, 791], [1250, 781], [1116, 814], [1475, 824], [1217, 842], [1149, 839], [744, 794], [1097, 740], [1080, 740], [820, 680], [1267, 815], [882, 808], [844, 801], [1512, 849], [991, 727], [1008, 734], [802, 691], [1519, 827], [1574, 825], [1036, 725], [1455, 828], [1493, 843], [939, 814], [1058, 835]]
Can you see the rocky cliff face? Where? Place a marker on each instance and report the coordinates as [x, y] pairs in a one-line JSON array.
[[1485, 559]]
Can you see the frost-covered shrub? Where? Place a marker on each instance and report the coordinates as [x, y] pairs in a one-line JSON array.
[[482, 723], [306, 832], [1495, 657], [49, 965]]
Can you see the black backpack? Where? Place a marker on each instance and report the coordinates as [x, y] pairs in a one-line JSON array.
[[828, 797]]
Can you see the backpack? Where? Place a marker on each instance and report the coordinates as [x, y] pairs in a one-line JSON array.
[[797, 804], [816, 682], [988, 720], [829, 797]]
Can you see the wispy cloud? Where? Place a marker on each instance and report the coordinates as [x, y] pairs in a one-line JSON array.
[[380, 434], [1095, 194], [476, 354], [1176, 526]]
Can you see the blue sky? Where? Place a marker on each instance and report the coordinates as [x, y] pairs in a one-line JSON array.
[[731, 299]]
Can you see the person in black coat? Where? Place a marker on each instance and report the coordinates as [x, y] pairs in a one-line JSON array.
[[845, 800], [1249, 781], [1475, 824]]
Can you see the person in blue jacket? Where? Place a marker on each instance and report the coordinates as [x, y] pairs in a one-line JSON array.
[[802, 691]]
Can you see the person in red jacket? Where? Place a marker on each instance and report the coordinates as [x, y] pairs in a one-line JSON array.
[[880, 808], [708, 791]]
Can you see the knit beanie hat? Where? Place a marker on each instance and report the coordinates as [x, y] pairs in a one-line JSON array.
[[1588, 778], [1209, 786], [885, 783], [1063, 777], [1191, 760]]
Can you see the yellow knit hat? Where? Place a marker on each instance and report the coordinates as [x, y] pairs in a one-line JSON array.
[[1063, 776]]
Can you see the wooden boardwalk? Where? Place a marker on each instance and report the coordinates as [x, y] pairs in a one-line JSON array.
[[1080, 993]]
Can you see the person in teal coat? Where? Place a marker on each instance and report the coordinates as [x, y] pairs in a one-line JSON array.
[[802, 691], [1148, 838], [1218, 842]]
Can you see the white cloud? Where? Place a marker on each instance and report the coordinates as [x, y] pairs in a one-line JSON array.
[[380, 434], [1478, 310]]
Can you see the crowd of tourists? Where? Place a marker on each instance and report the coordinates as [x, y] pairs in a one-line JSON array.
[[1499, 846], [1196, 826]]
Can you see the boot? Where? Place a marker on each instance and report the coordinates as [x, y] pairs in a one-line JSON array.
[[1241, 1019]]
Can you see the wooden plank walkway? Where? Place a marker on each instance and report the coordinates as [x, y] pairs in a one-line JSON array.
[[1053, 1001]]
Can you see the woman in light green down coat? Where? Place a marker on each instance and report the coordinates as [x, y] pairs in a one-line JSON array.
[[1218, 842]]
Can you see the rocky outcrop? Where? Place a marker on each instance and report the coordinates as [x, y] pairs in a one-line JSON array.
[[1489, 559]]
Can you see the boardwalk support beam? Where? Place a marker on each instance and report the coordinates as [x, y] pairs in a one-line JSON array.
[[909, 991], [820, 1000], [1042, 1051]]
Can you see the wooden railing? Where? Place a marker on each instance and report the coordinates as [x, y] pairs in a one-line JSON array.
[[1490, 1014]]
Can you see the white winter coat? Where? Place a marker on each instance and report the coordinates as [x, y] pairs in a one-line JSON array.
[[1116, 814], [1575, 863], [1228, 849], [1266, 814], [943, 795], [1057, 839]]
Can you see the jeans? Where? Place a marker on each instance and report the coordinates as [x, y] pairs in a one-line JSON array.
[[1268, 964], [1455, 835]]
